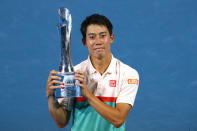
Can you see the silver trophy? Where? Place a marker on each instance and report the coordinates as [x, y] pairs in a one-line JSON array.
[[69, 89]]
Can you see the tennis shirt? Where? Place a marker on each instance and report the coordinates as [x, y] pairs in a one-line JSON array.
[[118, 84]]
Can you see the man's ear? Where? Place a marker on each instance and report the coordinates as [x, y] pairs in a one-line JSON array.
[[112, 38], [84, 42]]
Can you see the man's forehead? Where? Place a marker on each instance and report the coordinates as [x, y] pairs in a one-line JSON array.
[[96, 29]]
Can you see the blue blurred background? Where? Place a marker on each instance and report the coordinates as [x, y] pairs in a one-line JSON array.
[[156, 37]]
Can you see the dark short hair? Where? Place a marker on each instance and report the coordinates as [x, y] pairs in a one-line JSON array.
[[98, 20]]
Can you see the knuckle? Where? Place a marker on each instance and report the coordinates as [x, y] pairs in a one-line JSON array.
[[52, 72], [51, 87], [49, 78], [49, 84], [53, 81]]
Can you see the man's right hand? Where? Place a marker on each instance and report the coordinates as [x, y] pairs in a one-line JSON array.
[[52, 80]]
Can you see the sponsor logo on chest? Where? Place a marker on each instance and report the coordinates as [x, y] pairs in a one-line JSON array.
[[112, 83]]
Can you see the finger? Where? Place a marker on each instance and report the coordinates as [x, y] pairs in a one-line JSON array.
[[79, 84], [55, 78], [56, 82], [79, 72], [79, 75], [81, 79], [55, 87], [50, 78], [53, 72]]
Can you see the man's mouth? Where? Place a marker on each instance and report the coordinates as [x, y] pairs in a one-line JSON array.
[[99, 48]]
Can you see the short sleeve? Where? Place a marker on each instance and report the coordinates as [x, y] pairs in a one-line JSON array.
[[129, 87]]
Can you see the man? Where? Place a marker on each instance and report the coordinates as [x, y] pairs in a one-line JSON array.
[[108, 86]]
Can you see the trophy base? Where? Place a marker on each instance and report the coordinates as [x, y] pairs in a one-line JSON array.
[[69, 89]]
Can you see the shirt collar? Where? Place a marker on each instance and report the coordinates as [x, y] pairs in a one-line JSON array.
[[112, 66], [91, 67], [110, 69]]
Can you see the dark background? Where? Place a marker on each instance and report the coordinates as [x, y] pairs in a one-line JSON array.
[[156, 37]]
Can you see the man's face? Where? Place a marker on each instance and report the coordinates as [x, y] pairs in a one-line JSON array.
[[98, 40]]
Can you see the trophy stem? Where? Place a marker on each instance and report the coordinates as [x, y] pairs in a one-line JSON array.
[[64, 29]]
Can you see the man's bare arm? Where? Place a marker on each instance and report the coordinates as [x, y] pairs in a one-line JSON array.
[[58, 113], [116, 116]]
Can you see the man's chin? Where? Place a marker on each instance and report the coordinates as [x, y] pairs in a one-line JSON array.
[[100, 56]]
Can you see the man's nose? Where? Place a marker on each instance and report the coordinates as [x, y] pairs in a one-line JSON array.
[[98, 40]]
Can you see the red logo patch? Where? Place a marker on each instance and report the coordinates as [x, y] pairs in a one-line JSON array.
[[112, 83]]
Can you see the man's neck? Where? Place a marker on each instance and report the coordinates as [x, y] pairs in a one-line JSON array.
[[101, 65]]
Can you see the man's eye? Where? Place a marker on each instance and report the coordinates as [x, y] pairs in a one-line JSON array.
[[102, 36], [91, 37]]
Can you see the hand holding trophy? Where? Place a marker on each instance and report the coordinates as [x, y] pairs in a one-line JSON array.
[[69, 89]]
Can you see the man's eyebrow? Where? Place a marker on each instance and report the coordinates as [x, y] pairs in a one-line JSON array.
[[95, 33], [91, 34], [102, 32]]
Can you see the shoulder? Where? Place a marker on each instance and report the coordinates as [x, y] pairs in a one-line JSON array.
[[127, 70], [81, 65]]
